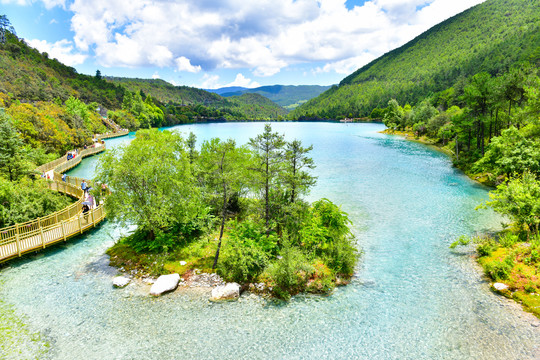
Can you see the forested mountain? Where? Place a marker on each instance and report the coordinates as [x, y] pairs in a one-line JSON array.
[[29, 75], [489, 37], [288, 96], [227, 89], [167, 92], [253, 106], [200, 104]]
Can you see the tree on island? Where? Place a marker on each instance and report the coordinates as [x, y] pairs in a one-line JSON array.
[[268, 163], [152, 183], [222, 167]]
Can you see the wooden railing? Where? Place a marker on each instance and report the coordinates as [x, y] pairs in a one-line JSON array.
[[62, 164], [113, 135], [33, 235]]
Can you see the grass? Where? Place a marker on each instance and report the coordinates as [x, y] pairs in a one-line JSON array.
[[198, 254], [517, 266]]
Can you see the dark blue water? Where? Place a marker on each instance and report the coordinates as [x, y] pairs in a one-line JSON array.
[[412, 297]]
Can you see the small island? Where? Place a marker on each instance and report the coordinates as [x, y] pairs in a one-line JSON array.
[[234, 210]]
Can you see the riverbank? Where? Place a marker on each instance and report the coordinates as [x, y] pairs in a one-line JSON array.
[[480, 178], [511, 266]]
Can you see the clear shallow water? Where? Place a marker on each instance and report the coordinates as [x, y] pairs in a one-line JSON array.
[[412, 298]]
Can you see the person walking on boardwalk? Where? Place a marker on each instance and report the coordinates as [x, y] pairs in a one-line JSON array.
[[84, 187]]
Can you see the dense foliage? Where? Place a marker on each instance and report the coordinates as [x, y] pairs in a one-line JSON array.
[[287, 96], [183, 104], [490, 37], [27, 74], [22, 197], [244, 203]]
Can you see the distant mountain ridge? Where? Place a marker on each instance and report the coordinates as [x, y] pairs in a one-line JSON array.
[[288, 96], [490, 37], [243, 107]]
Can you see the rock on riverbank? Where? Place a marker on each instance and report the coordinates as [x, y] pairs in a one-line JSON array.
[[121, 281], [228, 292], [165, 283]]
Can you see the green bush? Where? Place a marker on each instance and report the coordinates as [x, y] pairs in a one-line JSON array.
[[508, 239], [28, 200], [162, 242], [244, 253], [486, 248], [322, 278], [325, 234], [289, 274], [461, 241], [500, 270]]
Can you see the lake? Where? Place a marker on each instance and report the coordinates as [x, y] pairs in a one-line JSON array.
[[411, 297]]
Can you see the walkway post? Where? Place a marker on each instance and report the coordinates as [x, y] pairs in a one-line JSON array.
[[17, 239], [64, 230], [80, 225], [42, 238]]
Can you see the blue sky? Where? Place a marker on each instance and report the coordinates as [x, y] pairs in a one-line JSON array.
[[216, 43]]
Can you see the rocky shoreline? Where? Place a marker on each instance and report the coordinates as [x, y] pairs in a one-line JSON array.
[[211, 285]]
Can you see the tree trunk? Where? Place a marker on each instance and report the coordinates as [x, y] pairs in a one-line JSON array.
[[293, 186], [223, 213], [469, 140], [457, 149], [267, 199], [482, 138]]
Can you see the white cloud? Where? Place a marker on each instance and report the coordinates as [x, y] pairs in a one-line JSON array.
[[212, 82], [346, 66], [155, 75], [242, 81], [209, 82], [264, 36], [184, 64], [61, 50]]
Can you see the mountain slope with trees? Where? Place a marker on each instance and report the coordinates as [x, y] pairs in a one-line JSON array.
[[203, 104], [489, 37], [288, 96]]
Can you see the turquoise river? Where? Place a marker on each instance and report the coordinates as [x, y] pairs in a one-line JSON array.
[[411, 298]]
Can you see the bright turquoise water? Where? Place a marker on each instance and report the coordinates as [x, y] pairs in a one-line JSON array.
[[412, 297]]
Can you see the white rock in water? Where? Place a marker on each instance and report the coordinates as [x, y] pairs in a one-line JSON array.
[[229, 291], [500, 286], [183, 263], [120, 281], [165, 283]]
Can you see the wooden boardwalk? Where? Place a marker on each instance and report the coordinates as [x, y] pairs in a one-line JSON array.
[[37, 234]]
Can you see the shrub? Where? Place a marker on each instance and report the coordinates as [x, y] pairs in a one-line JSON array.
[[508, 239], [162, 242], [500, 270], [461, 241], [289, 275], [486, 248], [322, 278], [326, 235], [245, 252]]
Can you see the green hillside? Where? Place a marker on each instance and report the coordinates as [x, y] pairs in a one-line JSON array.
[[29, 75], [253, 106], [287, 96], [488, 37], [244, 107], [166, 92]]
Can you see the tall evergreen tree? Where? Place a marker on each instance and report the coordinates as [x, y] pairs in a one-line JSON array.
[[268, 150]]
